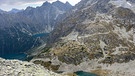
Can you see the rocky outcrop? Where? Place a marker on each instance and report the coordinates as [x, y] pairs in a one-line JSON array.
[[19, 68]]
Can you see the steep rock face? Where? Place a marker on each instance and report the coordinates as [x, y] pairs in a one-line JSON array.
[[14, 34], [19, 68], [45, 16], [24, 30], [98, 29]]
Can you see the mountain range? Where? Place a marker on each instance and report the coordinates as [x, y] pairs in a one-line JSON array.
[[22, 30], [96, 36]]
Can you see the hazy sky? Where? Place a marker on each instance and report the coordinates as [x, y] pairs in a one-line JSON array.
[[22, 4]]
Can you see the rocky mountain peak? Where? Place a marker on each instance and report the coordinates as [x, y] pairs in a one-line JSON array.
[[132, 1], [61, 5], [14, 10], [1, 11], [67, 3], [58, 3], [46, 3], [29, 8]]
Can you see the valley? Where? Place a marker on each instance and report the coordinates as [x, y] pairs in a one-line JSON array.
[[92, 38]]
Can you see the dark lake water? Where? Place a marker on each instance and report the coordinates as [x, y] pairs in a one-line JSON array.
[[20, 56], [82, 73]]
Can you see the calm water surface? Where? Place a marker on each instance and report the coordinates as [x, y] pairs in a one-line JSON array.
[[20, 56], [82, 73]]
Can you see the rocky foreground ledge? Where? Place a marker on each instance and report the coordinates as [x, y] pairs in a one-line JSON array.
[[21, 68]]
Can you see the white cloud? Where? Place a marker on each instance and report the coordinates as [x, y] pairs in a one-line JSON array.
[[15, 2]]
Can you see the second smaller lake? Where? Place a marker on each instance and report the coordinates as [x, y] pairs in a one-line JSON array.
[[82, 73]]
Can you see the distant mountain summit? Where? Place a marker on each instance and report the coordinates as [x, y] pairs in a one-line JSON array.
[[1, 11], [133, 1], [15, 11], [60, 5], [46, 15]]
